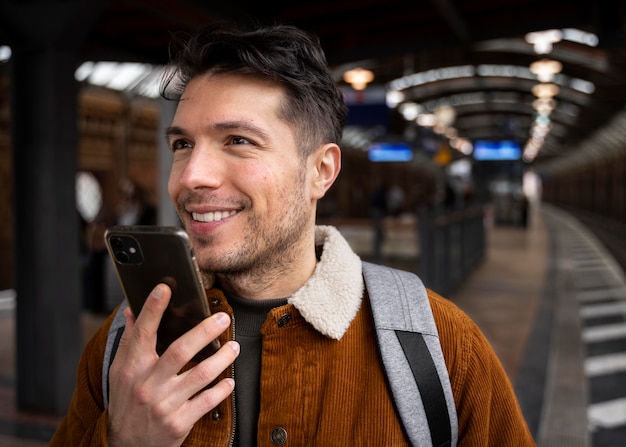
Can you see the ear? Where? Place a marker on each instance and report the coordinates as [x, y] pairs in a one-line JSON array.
[[326, 166]]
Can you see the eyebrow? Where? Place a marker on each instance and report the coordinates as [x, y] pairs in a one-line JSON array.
[[173, 130], [226, 125]]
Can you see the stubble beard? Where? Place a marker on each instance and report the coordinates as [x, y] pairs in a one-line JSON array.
[[265, 252]]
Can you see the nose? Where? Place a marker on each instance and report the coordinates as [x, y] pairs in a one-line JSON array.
[[203, 168]]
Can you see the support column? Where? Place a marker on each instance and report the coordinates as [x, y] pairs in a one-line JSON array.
[[44, 38], [46, 228]]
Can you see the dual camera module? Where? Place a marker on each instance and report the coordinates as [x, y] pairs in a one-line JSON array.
[[126, 250]]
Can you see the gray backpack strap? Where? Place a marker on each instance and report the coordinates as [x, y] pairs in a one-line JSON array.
[[113, 341], [412, 356]]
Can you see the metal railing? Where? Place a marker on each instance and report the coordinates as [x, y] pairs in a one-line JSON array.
[[452, 243]]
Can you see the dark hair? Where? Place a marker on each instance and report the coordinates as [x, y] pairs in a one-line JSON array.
[[282, 53]]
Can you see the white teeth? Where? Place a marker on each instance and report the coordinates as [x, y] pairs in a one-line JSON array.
[[213, 216]]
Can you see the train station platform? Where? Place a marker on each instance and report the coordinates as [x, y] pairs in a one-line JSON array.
[[549, 297]]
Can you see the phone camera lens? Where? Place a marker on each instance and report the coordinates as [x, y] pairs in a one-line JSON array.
[[117, 243], [125, 249], [122, 256]]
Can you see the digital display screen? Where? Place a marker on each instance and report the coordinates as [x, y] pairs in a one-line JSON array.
[[390, 152], [496, 150]]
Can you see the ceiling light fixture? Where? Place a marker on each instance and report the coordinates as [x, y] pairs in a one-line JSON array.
[[409, 110], [545, 69], [358, 78], [544, 106], [545, 90], [426, 119], [393, 98], [5, 53], [542, 40], [445, 115]]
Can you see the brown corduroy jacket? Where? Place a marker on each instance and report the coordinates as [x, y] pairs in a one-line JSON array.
[[322, 382]]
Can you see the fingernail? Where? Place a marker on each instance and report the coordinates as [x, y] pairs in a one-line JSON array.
[[234, 346], [158, 292], [222, 319]]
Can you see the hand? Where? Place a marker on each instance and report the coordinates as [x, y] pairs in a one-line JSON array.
[[150, 402]]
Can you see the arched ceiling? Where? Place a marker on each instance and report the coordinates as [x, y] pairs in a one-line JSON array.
[[396, 38]]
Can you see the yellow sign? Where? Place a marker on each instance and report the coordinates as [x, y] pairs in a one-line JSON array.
[[443, 156]]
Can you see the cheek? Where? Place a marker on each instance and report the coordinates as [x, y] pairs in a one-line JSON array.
[[269, 189], [262, 177]]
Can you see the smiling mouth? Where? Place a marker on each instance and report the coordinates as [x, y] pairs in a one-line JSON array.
[[213, 216]]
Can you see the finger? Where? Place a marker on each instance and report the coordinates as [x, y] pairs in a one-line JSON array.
[[182, 350], [192, 381], [182, 418], [208, 399], [146, 324], [128, 348]]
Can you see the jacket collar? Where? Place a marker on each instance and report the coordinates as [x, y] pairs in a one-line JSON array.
[[332, 296]]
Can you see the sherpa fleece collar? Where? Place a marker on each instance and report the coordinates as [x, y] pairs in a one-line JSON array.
[[330, 299]]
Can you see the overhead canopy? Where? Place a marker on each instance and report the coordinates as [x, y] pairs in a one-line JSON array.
[[474, 56]]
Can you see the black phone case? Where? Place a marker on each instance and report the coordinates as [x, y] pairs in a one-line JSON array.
[[144, 256]]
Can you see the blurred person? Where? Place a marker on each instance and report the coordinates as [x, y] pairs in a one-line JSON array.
[[378, 208], [134, 207], [255, 142], [449, 195], [395, 200]]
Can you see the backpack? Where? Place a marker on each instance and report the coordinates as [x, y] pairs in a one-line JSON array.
[[408, 341], [409, 347]]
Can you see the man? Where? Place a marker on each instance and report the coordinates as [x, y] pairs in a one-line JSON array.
[[255, 146]]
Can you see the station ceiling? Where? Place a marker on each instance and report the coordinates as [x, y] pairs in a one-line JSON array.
[[397, 38]]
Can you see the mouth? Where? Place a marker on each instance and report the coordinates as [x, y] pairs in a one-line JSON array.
[[213, 216]]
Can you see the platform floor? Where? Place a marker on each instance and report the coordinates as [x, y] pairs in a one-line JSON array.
[[549, 298]]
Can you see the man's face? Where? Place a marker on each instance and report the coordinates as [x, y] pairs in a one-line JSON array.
[[237, 181]]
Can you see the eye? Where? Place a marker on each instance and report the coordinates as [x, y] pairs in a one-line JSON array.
[[180, 144], [236, 140]]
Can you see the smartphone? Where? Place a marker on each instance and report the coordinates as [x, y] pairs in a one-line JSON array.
[[146, 255]]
